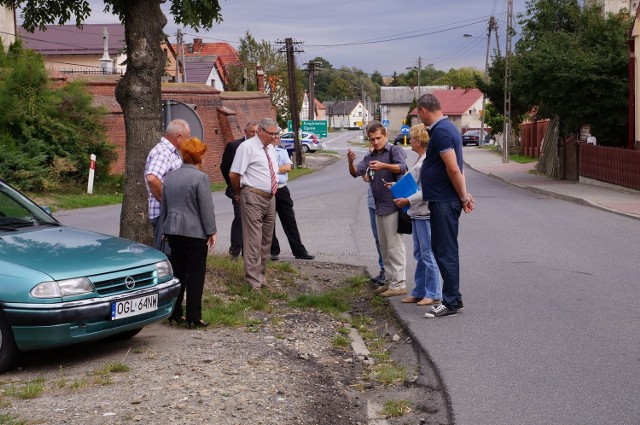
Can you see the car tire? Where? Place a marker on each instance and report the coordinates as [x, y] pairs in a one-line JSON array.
[[306, 149], [464, 143], [8, 349], [123, 336]]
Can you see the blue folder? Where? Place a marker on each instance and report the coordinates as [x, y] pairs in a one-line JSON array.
[[404, 188]]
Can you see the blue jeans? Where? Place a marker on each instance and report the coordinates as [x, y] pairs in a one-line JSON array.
[[374, 229], [427, 275], [444, 242]]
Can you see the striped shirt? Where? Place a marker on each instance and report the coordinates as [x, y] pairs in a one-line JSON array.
[[162, 159]]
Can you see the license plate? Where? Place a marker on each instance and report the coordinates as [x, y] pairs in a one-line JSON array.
[[133, 307]]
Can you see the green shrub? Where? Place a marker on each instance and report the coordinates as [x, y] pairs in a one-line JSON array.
[[46, 134]]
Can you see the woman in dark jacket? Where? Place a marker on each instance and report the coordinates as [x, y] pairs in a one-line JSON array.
[[190, 227]]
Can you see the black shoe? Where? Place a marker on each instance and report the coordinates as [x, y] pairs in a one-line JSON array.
[[274, 258], [305, 256], [176, 320], [440, 310], [380, 279], [198, 324], [460, 305]]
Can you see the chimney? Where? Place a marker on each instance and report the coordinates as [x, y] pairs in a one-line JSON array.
[[260, 78], [197, 45]]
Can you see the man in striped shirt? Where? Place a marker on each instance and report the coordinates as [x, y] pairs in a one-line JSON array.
[[163, 158]]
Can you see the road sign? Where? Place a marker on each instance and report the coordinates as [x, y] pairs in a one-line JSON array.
[[318, 127], [385, 123], [404, 129]]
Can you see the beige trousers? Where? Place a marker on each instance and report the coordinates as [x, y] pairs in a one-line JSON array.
[[258, 220], [392, 250]]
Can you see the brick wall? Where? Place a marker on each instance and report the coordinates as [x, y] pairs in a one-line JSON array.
[[223, 116]]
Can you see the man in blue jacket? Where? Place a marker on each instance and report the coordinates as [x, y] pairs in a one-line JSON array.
[[445, 188]]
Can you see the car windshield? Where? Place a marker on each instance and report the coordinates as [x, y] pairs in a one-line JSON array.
[[16, 210]]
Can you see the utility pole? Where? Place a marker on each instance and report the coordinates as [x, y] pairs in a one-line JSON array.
[[312, 73], [507, 86], [290, 48], [419, 69], [486, 66], [180, 59]]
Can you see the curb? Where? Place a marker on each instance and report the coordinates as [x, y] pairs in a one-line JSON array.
[[551, 194]]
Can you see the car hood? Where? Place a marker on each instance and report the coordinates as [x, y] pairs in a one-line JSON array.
[[65, 252]]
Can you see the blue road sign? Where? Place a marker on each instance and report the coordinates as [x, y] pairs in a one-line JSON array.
[[385, 123], [404, 129]]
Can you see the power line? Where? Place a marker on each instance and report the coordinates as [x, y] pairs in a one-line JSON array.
[[398, 38]]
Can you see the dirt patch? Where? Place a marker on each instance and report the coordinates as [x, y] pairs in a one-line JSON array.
[[318, 160], [284, 369]]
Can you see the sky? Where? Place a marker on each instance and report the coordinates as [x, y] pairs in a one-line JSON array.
[[373, 35]]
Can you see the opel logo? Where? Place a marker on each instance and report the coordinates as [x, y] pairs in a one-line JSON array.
[[130, 282]]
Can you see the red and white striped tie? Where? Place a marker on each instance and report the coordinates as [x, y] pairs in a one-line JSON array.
[[274, 181]]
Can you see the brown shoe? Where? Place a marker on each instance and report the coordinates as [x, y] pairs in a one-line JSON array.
[[428, 301], [394, 292], [410, 300]]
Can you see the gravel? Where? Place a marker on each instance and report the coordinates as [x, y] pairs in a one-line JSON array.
[[284, 371]]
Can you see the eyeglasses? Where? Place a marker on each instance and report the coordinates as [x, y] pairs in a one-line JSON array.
[[274, 134]]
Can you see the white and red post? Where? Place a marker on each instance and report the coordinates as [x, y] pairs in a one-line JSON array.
[[92, 172]]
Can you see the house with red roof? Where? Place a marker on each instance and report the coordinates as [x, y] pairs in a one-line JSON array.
[[462, 106], [319, 112], [226, 57]]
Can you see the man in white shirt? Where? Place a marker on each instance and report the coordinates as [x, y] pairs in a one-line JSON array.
[[284, 209], [253, 177]]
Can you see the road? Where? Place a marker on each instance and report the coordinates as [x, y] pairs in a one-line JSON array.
[[549, 333]]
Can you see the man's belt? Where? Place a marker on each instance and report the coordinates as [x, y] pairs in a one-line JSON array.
[[281, 185], [259, 192]]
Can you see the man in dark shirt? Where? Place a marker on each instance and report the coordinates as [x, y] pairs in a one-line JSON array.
[[385, 164], [447, 194], [225, 166]]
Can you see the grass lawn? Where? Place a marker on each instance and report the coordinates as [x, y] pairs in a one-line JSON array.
[[515, 157], [108, 192]]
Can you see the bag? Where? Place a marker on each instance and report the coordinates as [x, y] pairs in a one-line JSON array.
[[404, 223]]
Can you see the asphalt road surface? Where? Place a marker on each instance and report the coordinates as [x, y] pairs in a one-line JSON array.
[[549, 332]]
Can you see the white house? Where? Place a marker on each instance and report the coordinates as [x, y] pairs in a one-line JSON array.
[[7, 26], [396, 101], [202, 70], [319, 112], [347, 114]]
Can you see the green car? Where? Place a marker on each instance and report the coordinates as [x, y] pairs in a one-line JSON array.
[[61, 286]]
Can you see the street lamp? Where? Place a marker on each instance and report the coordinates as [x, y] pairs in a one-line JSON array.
[[484, 97]]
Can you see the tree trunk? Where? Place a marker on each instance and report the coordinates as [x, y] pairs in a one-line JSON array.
[[139, 95]]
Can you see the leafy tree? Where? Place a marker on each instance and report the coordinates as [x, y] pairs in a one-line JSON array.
[[573, 62], [461, 77], [376, 78], [46, 134], [274, 64], [138, 92]]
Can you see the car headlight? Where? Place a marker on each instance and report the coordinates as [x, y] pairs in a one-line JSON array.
[[63, 288], [164, 269]]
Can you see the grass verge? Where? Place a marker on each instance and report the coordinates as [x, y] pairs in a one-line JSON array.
[[515, 157]]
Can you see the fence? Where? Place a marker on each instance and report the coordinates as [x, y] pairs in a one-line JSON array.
[[612, 165], [531, 135], [90, 71]]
